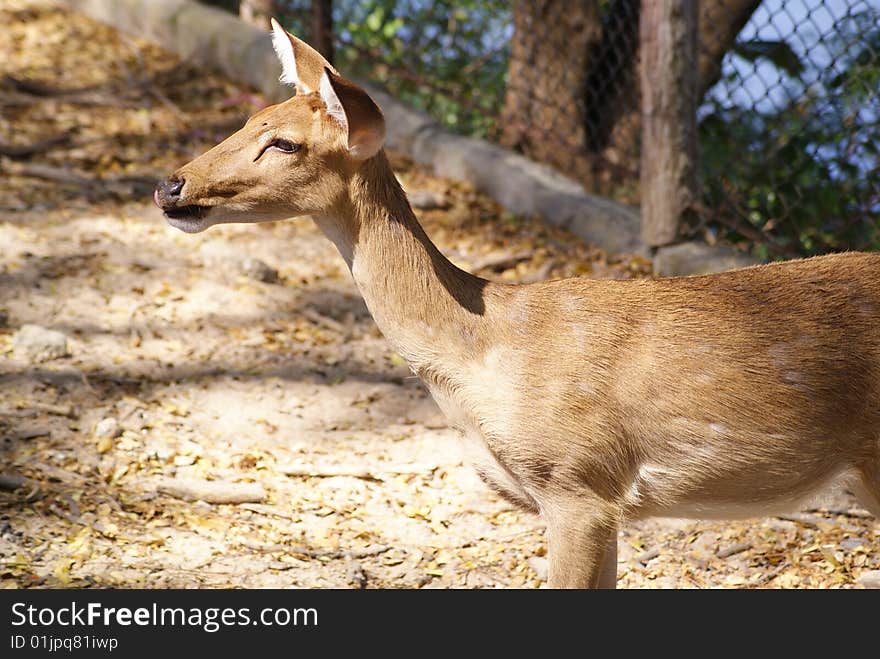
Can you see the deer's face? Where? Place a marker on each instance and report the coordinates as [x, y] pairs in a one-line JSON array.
[[289, 159]]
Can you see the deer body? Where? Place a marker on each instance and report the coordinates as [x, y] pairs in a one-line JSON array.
[[588, 402]]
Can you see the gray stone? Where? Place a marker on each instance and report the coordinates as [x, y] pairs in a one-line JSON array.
[[416, 578], [107, 428], [539, 566], [259, 270], [694, 258], [869, 579], [427, 199], [11, 482], [355, 574], [852, 543], [39, 344], [212, 491]]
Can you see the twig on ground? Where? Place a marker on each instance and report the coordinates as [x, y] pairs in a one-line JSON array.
[[311, 471], [804, 520], [541, 273], [36, 88], [500, 261], [732, 550], [24, 151], [268, 511], [856, 513], [94, 184], [32, 409], [318, 553], [325, 321]]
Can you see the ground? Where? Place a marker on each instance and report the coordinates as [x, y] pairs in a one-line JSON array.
[[241, 364]]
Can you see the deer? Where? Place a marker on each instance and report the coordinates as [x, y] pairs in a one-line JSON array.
[[589, 402]]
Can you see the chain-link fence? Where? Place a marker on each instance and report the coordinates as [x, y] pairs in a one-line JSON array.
[[790, 132], [786, 102]]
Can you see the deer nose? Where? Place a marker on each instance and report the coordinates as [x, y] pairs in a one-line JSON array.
[[168, 191]]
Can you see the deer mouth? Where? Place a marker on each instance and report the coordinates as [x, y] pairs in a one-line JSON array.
[[191, 212]]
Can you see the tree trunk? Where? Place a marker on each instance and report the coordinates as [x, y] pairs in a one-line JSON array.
[[720, 23], [669, 106], [543, 114], [573, 89], [322, 28]]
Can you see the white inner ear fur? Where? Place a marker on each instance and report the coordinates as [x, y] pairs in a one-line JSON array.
[[284, 50], [331, 100]]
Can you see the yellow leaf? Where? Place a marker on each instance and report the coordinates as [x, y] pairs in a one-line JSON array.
[[828, 553], [119, 473], [61, 570], [80, 540]]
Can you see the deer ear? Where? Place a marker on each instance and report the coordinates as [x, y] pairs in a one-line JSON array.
[[302, 65], [356, 112]]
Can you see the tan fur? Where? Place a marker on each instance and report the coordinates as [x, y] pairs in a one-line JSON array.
[[590, 402]]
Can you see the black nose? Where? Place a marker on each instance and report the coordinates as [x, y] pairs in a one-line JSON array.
[[168, 191]]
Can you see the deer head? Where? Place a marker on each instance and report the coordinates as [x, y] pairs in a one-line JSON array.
[[289, 159]]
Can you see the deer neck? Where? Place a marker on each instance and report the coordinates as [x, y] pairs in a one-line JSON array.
[[423, 304]]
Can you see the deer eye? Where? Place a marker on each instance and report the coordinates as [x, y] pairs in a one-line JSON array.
[[285, 145]]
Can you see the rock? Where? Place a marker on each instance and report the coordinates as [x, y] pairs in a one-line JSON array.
[[11, 482], [525, 187], [355, 574], [257, 269], [852, 543], [694, 258], [869, 579], [106, 430], [4, 319], [648, 556], [184, 460], [39, 344], [107, 427], [213, 491], [427, 199], [416, 578], [539, 566]]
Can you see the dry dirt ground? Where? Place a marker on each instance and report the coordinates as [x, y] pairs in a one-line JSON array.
[[241, 364]]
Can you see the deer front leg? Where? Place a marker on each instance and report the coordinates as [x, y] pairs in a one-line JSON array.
[[608, 575], [582, 544]]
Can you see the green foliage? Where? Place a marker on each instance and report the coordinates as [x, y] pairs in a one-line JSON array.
[[804, 173], [446, 57], [807, 174]]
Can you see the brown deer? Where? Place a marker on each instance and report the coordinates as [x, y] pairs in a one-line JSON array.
[[588, 402]]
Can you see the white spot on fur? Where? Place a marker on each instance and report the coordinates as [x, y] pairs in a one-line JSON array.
[[645, 482], [718, 429], [780, 353]]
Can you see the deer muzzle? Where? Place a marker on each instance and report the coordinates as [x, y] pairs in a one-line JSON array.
[[186, 217]]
